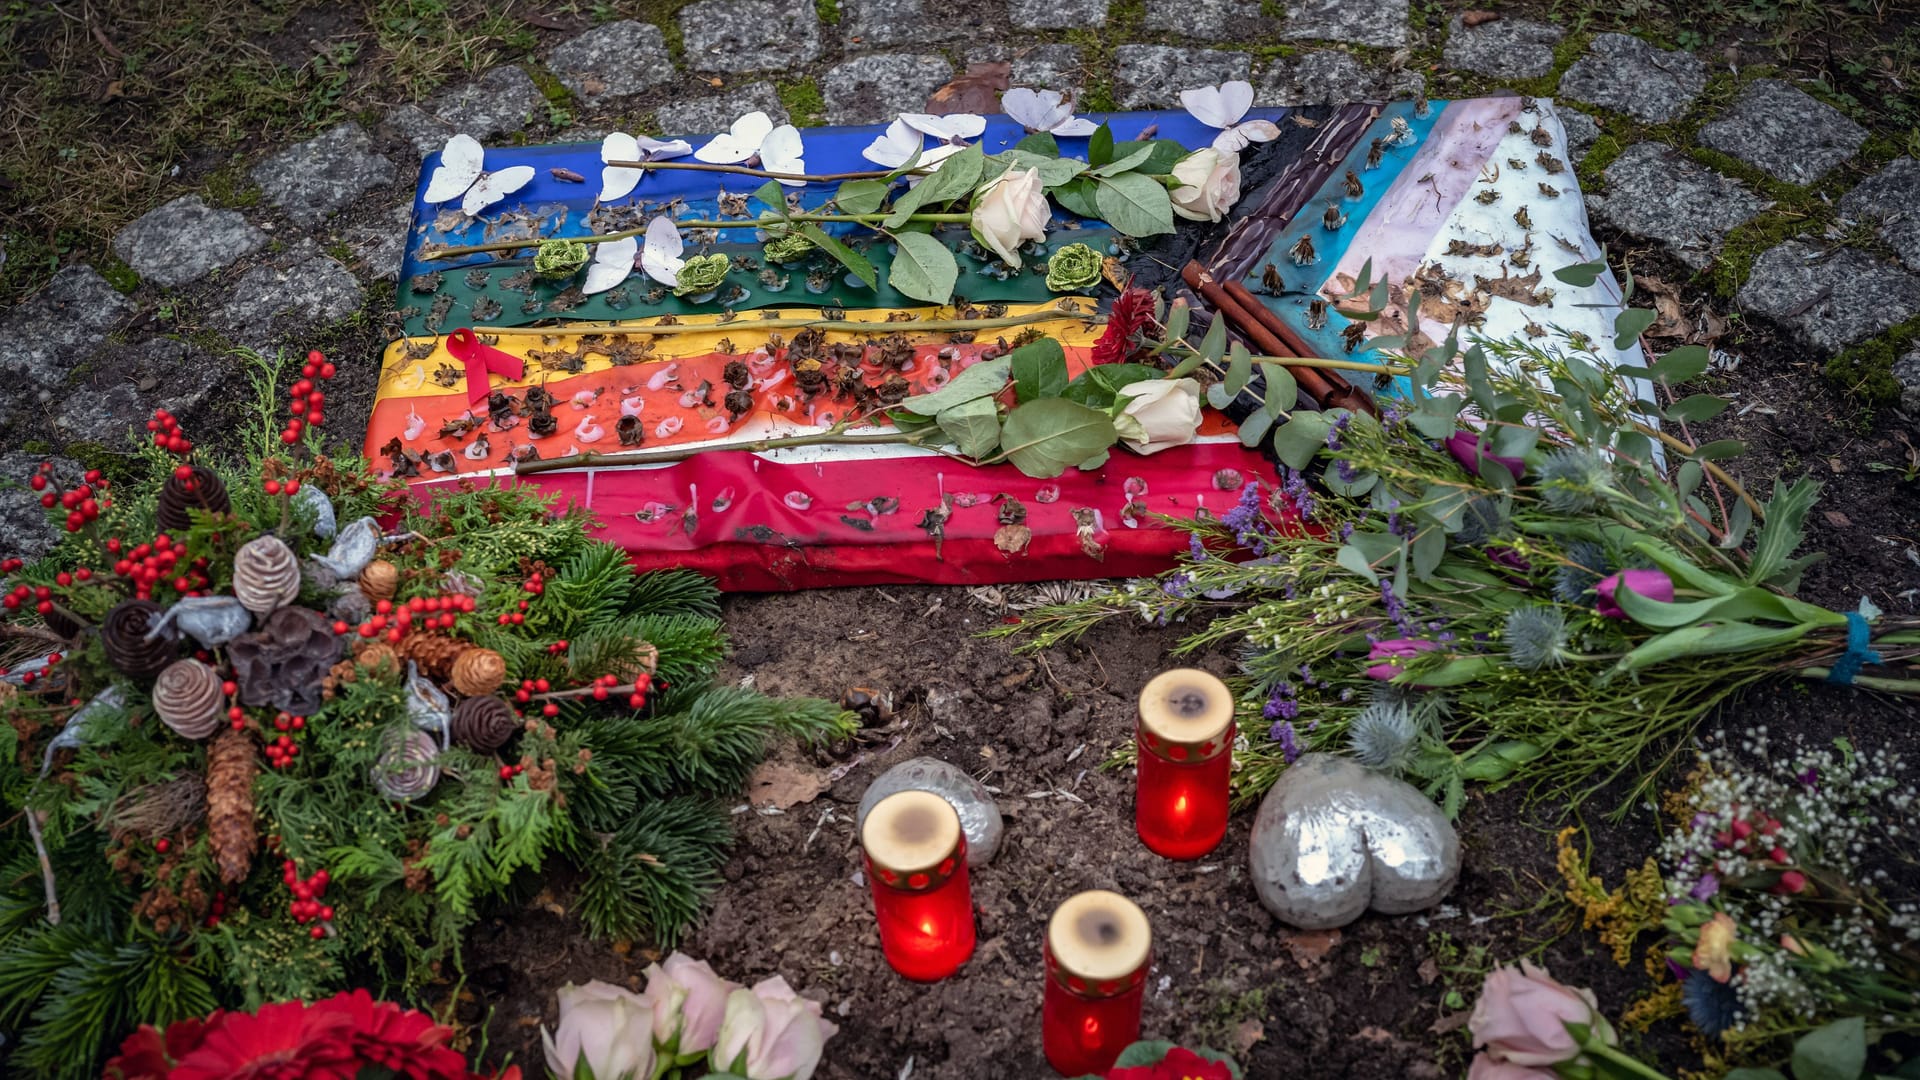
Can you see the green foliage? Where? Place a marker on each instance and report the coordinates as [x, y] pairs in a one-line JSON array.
[[652, 874]]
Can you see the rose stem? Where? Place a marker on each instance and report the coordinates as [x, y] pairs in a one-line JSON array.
[[746, 223], [825, 178]]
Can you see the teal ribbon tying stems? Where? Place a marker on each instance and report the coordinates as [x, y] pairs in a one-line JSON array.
[[1859, 651]]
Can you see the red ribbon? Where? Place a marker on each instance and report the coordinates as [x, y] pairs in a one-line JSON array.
[[482, 360]]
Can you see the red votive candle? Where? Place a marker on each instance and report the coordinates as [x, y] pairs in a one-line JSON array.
[[916, 858], [1098, 949], [1185, 747]]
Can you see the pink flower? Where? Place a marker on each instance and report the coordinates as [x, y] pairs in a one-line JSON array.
[[771, 1033], [1485, 1068], [1469, 449], [1651, 584], [607, 1027], [689, 1001], [1522, 1017], [1396, 653]]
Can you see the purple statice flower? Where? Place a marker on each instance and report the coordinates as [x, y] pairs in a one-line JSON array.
[[1280, 704], [1344, 469], [1809, 778], [1338, 429], [1282, 733], [1346, 531], [1393, 517], [1396, 610], [1708, 885], [1196, 547], [1306, 676], [1249, 524], [1297, 492], [1176, 586]]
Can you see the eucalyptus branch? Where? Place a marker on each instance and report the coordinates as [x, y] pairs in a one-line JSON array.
[[765, 174], [748, 223]]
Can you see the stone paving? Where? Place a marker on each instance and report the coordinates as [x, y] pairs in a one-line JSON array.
[[313, 249]]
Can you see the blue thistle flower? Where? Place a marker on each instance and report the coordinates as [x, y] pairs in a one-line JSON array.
[[1714, 1007], [1382, 735], [1536, 637], [1571, 480], [1482, 520], [1574, 579]]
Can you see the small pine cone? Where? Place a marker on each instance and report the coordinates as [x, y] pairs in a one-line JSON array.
[[338, 675], [646, 660], [434, 653], [266, 574], [207, 493], [231, 765], [188, 699], [477, 671], [379, 580], [483, 723], [123, 634], [377, 657]]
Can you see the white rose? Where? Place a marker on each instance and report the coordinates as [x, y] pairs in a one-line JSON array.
[[1209, 184], [1158, 413], [606, 1027], [1011, 209]]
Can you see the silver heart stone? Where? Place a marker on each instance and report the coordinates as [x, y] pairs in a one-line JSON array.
[[979, 814], [1334, 838]]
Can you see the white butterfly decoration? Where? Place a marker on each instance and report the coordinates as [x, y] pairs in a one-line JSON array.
[[612, 262], [1045, 110], [949, 128], [1222, 107], [660, 256], [902, 141], [619, 146], [462, 172], [779, 148]]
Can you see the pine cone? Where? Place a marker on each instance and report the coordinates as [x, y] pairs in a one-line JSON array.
[[231, 765], [434, 653], [123, 634], [266, 575], [477, 671], [345, 671], [377, 657], [379, 580], [483, 723], [203, 491], [187, 698]]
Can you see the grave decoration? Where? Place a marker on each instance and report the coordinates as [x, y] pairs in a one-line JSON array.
[[276, 728]]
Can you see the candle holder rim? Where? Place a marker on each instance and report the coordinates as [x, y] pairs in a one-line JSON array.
[[1168, 726], [922, 856], [1095, 963]]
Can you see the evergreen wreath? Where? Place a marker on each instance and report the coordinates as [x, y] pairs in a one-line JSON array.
[[372, 718]]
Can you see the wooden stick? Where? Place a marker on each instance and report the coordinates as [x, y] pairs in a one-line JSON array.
[[1225, 306]]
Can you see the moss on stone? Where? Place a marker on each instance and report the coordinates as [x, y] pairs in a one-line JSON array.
[[806, 106], [1864, 372]]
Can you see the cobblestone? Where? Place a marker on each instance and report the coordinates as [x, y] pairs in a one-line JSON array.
[[875, 89], [1777, 128], [1891, 198], [615, 60], [1152, 76], [312, 180], [1503, 48], [1832, 299], [1656, 193], [185, 240], [750, 35], [1623, 73]]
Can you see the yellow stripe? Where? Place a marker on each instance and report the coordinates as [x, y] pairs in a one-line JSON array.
[[405, 377]]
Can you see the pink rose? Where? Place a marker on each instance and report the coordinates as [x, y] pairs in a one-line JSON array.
[[1522, 1017], [689, 1001], [1651, 584], [605, 1026], [771, 1033], [1396, 653], [1485, 1068]]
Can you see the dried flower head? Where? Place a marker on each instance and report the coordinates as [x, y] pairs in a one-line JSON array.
[[1572, 480], [1383, 735], [1536, 637]]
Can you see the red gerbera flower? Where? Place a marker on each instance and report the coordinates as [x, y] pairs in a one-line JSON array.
[[1127, 323], [147, 1054], [1179, 1064], [288, 1041], [404, 1040]]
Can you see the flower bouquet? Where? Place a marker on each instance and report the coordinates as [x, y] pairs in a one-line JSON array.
[[274, 727], [1525, 570]]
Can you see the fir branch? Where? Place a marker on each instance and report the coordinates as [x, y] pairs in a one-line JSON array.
[[691, 647], [674, 592], [654, 873]]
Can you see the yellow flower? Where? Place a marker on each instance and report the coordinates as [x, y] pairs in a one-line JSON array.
[[1713, 953]]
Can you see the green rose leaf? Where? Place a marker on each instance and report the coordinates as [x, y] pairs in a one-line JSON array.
[[1076, 197], [1054, 171], [1099, 387], [861, 196], [1135, 204], [923, 268], [955, 178], [1040, 142], [1143, 1053], [974, 426], [848, 257], [1039, 370], [774, 194], [1100, 146], [984, 379], [701, 274], [1836, 1051], [1072, 268], [1164, 152], [1124, 164], [1048, 436]]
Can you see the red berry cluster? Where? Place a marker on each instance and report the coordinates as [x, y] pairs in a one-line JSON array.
[[508, 772], [557, 647], [152, 564], [1752, 834], [166, 433], [8, 566], [534, 585], [307, 892], [307, 402], [275, 487], [28, 678], [219, 910], [282, 750], [79, 501], [530, 687], [396, 620]]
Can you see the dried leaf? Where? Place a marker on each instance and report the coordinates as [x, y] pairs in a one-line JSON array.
[[1478, 17], [1013, 539], [977, 90], [1838, 520], [1450, 1023], [1246, 1035], [783, 786], [1309, 947], [1429, 970]]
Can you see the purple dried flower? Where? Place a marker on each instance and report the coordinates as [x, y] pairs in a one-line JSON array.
[[1283, 734]]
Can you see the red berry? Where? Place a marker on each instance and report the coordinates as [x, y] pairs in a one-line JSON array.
[[316, 418], [289, 436], [599, 693], [298, 722], [314, 356], [161, 845], [84, 574], [327, 371], [321, 877], [395, 635], [367, 630], [522, 696], [229, 688], [49, 500], [38, 482], [340, 627], [383, 606], [1793, 881], [637, 701], [317, 933], [549, 710], [326, 913], [271, 487]]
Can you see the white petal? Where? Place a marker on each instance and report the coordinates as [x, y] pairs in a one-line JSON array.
[[618, 183], [954, 126], [893, 148], [1231, 141], [620, 146], [781, 151], [460, 164], [661, 151], [612, 262], [494, 186], [1205, 105], [1078, 127], [1258, 130], [752, 128], [660, 257], [1237, 96], [1031, 109], [725, 150]]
